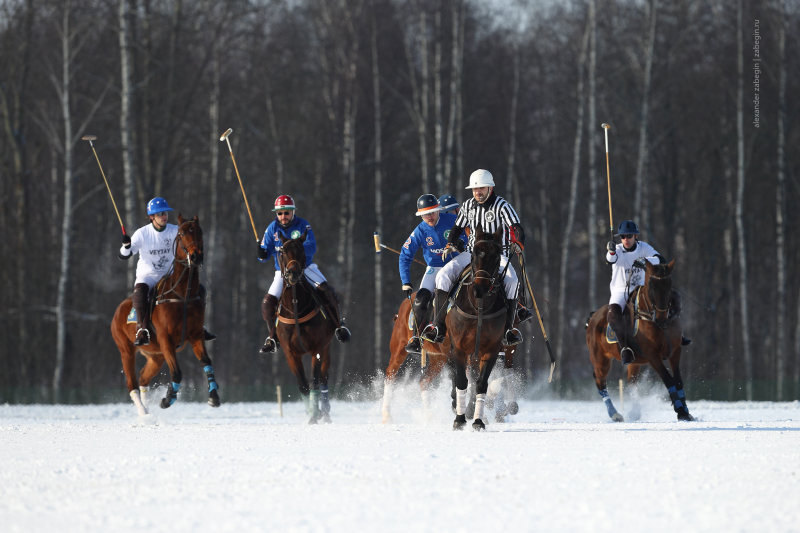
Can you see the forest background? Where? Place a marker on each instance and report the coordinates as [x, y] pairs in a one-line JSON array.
[[355, 108]]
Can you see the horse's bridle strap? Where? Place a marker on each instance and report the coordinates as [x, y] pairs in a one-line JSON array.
[[485, 317]]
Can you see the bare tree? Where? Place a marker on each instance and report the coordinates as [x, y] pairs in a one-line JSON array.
[[780, 212], [641, 206], [378, 346]]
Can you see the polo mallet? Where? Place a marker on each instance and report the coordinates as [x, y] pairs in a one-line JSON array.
[[539, 316], [91, 138], [379, 245], [224, 137], [607, 127]]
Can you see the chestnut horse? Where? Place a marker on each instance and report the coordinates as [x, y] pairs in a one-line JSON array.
[[304, 327], [178, 313], [475, 324], [434, 360], [657, 339]]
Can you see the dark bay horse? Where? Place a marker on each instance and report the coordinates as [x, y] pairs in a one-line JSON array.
[[657, 339], [304, 327], [177, 319], [475, 324], [434, 360]]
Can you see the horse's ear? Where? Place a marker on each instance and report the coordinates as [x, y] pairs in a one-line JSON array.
[[670, 266], [283, 239], [181, 220], [478, 232], [196, 219]]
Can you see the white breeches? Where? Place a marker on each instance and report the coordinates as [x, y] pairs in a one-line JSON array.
[[448, 274], [429, 278], [619, 298], [150, 278], [311, 273]]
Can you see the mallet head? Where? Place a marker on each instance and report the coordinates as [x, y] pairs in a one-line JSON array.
[[225, 135], [89, 138], [606, 126]]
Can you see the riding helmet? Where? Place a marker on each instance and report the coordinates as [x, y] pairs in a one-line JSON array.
[[628, 227], [480, 178], [426, 204], [157, 205], [447, 202], [283, 202]]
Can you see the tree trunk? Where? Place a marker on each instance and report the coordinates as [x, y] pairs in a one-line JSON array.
[[573, 196], [740, 198], [437, 97], [126, 125], [455, 85], [780, 215], [514, 193], [593, 137], [213, 185], [379, 342], [641, 204]]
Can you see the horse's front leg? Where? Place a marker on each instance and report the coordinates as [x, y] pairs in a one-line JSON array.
[[174, 371], [324, 398], [678, 403], [199, 349], [481, 386], [460, 382]]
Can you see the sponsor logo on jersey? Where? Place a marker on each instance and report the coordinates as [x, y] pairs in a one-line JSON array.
[[295, 234], [447, 234], [429, 241], [489, 216]]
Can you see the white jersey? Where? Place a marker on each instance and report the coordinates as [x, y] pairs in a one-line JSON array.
[[156, 251], [622, 269]]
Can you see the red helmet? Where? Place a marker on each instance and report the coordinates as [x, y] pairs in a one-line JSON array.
[[282, 202]]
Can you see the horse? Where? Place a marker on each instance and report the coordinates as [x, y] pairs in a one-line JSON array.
[[304, 327], [177, 318], [475, 324], [434, 359], [657, 338]]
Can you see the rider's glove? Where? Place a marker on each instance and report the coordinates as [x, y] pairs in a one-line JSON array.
[[448, 250], [516, 248], [126, 241], [611, 247], [639, 263], [408, 289], [262, 253]]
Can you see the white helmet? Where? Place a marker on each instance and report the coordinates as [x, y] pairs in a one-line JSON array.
[[480, 178]]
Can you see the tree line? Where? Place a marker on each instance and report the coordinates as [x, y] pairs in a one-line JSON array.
[[356, 108]]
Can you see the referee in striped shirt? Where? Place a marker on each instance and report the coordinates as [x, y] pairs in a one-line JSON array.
[[489, 211]]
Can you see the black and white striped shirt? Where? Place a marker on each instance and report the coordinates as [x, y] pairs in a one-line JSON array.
[[489, 215]]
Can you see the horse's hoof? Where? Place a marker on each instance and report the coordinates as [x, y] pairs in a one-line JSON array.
[[489, 403], [326, 418], [213, 399], [684, 416], [165, 403], [616, 417], [513, 408], [478, 425], [499, 418], [459, 422]]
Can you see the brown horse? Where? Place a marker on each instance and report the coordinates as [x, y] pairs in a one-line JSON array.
[[305, 326], [177, 318], [475, 324], [434, 360], [657, 338]]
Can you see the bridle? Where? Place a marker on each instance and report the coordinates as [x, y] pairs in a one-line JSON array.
[[290, 268], [655, 314]]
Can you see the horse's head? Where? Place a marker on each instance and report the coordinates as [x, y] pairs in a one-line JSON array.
[[658, 280], [189, 242], [292, 258], [486, 253]]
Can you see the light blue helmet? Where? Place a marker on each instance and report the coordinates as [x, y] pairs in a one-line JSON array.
[[628, 227], [157, 205], [448, 202]]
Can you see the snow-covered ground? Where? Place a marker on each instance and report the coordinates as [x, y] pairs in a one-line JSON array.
[[555, 466]]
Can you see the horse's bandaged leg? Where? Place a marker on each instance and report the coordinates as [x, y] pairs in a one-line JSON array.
[[426, 399], [388, 391], [212, 382], [324, 401], [143, 395], [461, 401], [495, 388], [480, 403], [137, 401]]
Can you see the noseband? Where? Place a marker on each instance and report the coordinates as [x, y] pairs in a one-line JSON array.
[[658, 315], [287, 266], [188, 259]]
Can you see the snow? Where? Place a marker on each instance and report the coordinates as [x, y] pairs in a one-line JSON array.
[[555, 466]]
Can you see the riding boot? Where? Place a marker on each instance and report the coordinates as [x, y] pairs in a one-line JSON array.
[[617, 323], [269, 310], [420, 311], [512, 336], [437, 330], [207, 335], [331, 302], [675, 311], [139, 299]]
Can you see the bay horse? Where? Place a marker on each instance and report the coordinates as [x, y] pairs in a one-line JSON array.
[[475, 324], [434, 360], [304, 327], [177, 318], [657, 338]]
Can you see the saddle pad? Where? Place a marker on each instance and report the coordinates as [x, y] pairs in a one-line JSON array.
[[611, 337], [411, 317], [132, 317]]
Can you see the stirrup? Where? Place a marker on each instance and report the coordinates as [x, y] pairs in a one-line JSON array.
[[414, 346], [523, 314], [208, 336], [685, 341], [432, 334], [270, 346], [512, 337], [342, 334], [142, 337], [627, 355]]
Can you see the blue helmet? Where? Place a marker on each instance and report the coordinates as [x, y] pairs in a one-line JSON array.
[[157, 205], [427, 203], [448, 202], [628, 227]]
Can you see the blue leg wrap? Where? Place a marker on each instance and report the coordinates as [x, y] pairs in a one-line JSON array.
[[607, 400], [212, 382], [677, 397]]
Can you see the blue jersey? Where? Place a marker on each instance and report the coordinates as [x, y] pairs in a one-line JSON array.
[[431, 239], [271, 241]]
